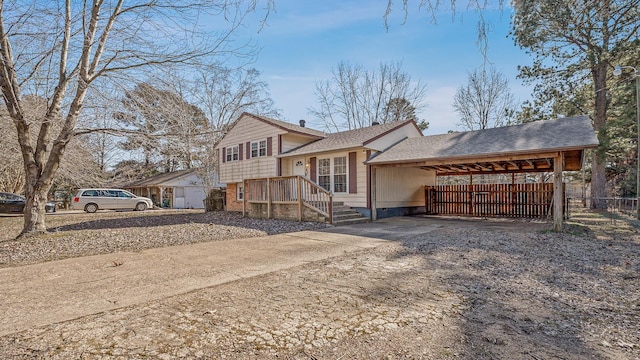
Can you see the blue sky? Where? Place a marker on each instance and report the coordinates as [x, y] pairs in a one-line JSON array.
[[304, 40]]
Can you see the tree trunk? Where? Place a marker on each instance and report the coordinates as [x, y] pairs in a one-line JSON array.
[[598, 175], [34, 212]]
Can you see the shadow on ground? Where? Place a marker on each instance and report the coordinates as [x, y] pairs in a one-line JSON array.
[[527, 292], [144, 220]]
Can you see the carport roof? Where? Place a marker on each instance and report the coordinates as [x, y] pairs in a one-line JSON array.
[[564, 134]]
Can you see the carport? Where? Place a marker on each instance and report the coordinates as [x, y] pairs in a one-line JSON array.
[[551, 146]]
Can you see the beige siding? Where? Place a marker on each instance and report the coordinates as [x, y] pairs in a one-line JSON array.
[[356, 200], [383, 143], [249, 129], [290, 141], [401, 187]]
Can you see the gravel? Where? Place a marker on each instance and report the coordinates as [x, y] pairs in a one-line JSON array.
[[78, 234], [444, 290]]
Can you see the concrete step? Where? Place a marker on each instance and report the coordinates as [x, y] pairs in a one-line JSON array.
[[350, 221], [345, 215], [338, 217]]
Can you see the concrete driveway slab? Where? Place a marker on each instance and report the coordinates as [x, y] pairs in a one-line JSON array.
[[46, 293]]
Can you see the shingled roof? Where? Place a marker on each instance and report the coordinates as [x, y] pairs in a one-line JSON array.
[[347, 139], [160, 179], [564, 134], [286, 126]]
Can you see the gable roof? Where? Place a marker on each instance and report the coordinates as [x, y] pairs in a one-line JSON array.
[[564, 134], [289, 127], [348, 139], [160, 179]]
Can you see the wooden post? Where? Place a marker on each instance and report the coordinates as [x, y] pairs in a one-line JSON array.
[[330, 207], [244, 197], [374, 213], [299, 185], [470, 196], [268, 198], [557, 192]]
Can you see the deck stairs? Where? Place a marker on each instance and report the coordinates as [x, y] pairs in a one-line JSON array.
[[346, 215]]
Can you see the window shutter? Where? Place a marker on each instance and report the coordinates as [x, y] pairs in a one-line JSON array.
[[353, 173], [239, 151], [224, 155], [312, 165], [248, 150], [269, 146]]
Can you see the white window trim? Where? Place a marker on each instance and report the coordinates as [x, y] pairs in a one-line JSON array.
[[346, 175], [229, 153], [329, 174], [332, 172], [257, 142], [240, 192]]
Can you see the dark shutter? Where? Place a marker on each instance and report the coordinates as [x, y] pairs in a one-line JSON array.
[[224, 155], [312, 173], [279, 144], [239, 151], [269, 146], [248, 150], [353, 173]]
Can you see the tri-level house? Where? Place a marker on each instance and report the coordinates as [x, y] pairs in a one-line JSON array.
[[277, 169], [257, 147]]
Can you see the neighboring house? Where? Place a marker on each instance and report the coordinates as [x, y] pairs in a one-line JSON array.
[[182, 189], [260, 147]]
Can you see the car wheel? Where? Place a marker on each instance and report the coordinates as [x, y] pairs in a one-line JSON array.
[[141, 206], [91, 208]]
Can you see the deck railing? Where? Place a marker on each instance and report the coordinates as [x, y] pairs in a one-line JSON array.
[[292, 190], [531, 200]]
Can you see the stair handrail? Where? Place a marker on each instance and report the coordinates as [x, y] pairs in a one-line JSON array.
[[316, 197]]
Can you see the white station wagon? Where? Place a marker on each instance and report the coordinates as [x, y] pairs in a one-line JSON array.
[[92, 200]]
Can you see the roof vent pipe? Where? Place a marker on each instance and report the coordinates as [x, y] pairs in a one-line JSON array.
[[375, 123], [302, 123]]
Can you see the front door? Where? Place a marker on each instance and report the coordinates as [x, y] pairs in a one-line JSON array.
[[299, 167]]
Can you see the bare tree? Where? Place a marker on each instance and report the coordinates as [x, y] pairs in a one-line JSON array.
[[223, 94], [59, 49], [486, 101], [355, 97], [77, 168]]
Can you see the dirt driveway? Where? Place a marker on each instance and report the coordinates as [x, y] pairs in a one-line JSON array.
[[424, 288]]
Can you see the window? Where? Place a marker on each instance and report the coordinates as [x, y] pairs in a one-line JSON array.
[[324, 173], [125, 194], [332, 174], [340, 174], [258, 148], [240, 191], [232, 153], [109, 193]]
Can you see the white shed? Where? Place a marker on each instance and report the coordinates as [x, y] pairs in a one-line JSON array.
[[182, 189]]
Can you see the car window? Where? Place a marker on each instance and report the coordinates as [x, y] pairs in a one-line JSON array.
[[124, 194], [90, 193], [109, 193], [13, 197]]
